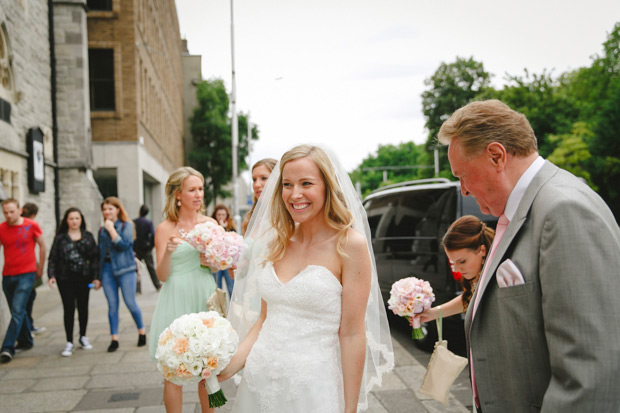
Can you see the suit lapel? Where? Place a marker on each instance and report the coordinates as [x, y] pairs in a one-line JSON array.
[[545, 173]]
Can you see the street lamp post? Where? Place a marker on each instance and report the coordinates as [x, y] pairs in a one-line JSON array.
[[235, 123]]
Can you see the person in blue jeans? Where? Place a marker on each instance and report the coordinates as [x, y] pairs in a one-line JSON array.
[[30, 211], [18, 237], [117, 267], [222, 215]]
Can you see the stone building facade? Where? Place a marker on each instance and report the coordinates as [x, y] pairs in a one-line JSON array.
[[138, 129], [192, 75], [75, 160], [25, 95], [26, 100]]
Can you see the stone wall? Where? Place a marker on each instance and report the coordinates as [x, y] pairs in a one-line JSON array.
[[26, 26], [77, 187]]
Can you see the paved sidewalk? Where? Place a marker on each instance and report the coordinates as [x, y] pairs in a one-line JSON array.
[[41, 380]]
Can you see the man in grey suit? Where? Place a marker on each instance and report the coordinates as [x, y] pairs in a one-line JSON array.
[[543, 332]]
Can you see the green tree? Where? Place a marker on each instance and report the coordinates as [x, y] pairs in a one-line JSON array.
[[407, 154], [212, 138], [606, 149], [452, 86], [537, 96], [571, 151]]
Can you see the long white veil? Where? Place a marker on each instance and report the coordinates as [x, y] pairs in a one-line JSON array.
[[246, 302]]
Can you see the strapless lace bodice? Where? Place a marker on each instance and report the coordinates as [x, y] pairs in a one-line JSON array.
[[294, 364]]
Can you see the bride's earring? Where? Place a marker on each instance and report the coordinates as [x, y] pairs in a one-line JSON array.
[[178, 203]]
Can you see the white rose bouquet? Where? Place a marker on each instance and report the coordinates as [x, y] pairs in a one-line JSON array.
[[411, 296], [222, 249], [197, 347]]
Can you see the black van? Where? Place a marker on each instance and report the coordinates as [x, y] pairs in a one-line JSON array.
[[407, 222]]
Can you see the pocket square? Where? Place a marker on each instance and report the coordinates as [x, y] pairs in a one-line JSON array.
[[508, 275]]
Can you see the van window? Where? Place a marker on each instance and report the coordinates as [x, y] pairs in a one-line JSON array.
[[380, 212]]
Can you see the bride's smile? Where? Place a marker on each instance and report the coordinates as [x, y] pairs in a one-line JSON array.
[[303, 189]]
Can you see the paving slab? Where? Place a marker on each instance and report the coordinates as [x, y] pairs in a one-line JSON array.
[[400, 401], [48, 372], [126, 380], [391, 381], [120, 398], [374, 405], [114, 368], [80, 359], [56, 401], [66, 383], [16, 386]]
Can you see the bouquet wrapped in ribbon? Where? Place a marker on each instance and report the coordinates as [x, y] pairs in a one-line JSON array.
[[197, 347], [221, 249], [411, 296]]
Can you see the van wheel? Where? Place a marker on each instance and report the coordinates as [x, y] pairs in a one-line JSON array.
[[430, 337]]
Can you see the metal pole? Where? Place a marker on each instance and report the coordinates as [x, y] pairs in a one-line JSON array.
[[436, 153], [245, 201], [235, 123]]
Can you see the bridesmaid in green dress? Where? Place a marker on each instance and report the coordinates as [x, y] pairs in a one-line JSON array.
[[187, 285]]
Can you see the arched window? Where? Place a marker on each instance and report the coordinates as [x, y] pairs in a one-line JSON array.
[[7, 88]]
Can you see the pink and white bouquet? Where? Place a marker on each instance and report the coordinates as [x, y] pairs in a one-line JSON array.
[[411, 296], [221, 249], [197, 347]]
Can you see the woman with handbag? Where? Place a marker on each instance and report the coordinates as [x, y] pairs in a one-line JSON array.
[[467, 242], [73, 264], [186, 283]]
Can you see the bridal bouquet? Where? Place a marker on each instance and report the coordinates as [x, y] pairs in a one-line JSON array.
[[197, 347], [411, 296], [222, 249]]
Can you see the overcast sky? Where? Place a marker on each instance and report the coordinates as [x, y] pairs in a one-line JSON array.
[[349, 74]]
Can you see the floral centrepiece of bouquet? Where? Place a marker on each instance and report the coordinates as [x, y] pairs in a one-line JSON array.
[[221, 249], [197, 347], [411, 296]]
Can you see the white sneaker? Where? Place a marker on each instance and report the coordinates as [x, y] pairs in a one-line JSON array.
[[68, 351], [38, 330], [85, 344]]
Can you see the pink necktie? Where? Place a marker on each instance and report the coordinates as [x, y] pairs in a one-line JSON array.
[[502, 224]]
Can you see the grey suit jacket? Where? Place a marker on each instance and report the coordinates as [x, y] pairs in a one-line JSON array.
[[553, 343]]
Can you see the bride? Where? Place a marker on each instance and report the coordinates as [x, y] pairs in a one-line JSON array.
[[307, 299]]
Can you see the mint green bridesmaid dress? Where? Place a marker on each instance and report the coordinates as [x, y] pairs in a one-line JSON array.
[[186, 291]]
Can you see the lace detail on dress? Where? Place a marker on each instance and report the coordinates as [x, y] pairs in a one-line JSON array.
[[294, 366]]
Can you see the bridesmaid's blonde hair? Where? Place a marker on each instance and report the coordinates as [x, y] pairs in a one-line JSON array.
[[174, 186], [335, 210]]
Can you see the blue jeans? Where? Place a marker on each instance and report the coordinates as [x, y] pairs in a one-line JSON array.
[[229, 281], [17, 291], [127, 283]]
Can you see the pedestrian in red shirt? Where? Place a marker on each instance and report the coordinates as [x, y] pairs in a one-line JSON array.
[[18, 237]]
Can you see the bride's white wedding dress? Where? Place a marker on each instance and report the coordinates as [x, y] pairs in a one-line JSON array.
[[294, 365]]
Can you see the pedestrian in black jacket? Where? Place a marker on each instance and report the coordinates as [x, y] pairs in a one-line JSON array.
[[74, 265], [144, 243]]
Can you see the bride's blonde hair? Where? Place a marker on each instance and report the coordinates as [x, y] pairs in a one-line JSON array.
[[335, 210]]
